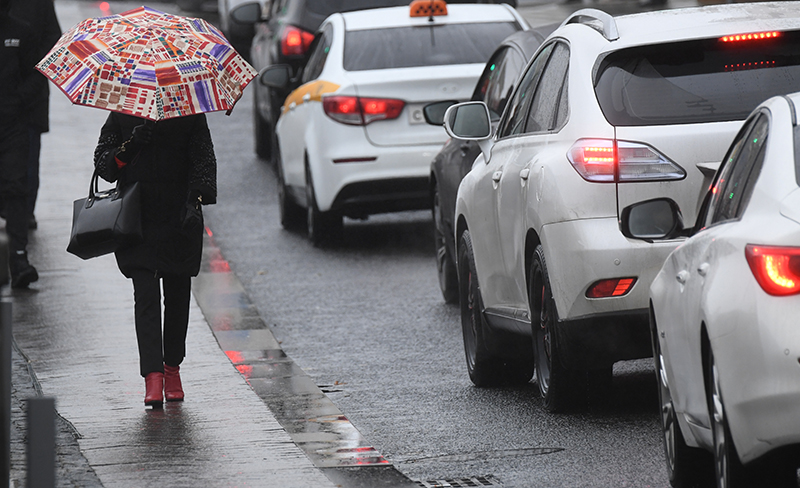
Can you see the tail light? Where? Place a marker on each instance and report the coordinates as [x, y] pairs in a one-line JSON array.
[[777, 269], [360, 110], [295, 41], [615, 287], [609, 161]]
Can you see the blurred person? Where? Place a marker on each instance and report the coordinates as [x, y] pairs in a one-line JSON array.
[[19, 84], [41, 15], [173, 160]]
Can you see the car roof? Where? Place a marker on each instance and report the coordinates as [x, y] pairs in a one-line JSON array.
[[400, 16], [705, 22]]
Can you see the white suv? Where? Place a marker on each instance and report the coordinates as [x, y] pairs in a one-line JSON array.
[[609, 112]]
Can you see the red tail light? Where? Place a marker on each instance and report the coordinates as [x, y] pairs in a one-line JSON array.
[[777, 269], [361, 111], [615, 287], [295, 41], [609, 160], [753, 36]]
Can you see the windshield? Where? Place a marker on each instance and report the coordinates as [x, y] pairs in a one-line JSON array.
[[405, 47], [696, 81]]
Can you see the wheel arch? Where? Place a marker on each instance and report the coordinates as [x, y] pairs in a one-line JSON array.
[[532, 240]]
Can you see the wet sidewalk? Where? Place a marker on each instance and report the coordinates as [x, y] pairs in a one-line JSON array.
[[75, 341]]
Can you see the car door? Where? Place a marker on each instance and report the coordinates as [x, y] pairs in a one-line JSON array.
[[695, 263], [546, 114], [292, 125], [486, 235]]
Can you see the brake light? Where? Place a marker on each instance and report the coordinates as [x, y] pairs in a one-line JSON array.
[[777, 269], [753, 36], [295, 41], [609, 161], [360, 110], [615, 287]]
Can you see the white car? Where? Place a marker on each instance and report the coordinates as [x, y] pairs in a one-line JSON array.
[[609, 112], [724, 312], [352, 137]]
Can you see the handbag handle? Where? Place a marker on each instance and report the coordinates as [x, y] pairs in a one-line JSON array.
[[94, 192]]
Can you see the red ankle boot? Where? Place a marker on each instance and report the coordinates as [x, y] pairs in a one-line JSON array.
[[154, 389], [173, 389]]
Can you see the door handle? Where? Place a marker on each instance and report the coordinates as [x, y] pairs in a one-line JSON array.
[[525, 173], [682, 277], [703, 269], [496, 176], [306, 98]]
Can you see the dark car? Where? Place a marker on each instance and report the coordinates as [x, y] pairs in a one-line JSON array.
[[456, 157]]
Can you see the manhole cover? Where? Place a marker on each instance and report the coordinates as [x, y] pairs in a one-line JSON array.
[[460, 483]]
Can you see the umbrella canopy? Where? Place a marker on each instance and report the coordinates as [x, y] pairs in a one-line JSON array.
[[149, 64]]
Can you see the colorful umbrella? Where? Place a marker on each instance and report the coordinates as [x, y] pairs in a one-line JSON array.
[[149, 64]]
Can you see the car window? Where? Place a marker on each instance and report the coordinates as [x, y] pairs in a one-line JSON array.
[[514, 117], [497, 81], [736, 179], [542, 113], [427, 45], [563, 104], [318, 54], [696, 81]]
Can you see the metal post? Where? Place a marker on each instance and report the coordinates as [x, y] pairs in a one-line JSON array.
[[41, 443], [5, 389]]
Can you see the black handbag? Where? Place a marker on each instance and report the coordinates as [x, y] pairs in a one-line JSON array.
[[105, 221]]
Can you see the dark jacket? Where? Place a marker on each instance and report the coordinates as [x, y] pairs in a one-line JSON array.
[[19, 81], [41, 16], [177, 166]]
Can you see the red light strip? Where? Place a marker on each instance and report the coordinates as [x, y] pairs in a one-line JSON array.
[[746, 66], [751, 37]]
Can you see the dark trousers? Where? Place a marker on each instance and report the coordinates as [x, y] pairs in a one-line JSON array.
[[154, 351], [34, 150], [13, 185]]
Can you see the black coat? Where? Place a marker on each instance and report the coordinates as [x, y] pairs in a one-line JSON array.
[[19, 81], [177, 166]]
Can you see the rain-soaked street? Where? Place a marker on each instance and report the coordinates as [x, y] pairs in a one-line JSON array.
[[353, 356]]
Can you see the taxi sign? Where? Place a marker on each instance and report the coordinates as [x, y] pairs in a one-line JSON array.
[[428, 8]]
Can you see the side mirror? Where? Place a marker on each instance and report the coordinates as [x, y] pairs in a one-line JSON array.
[[470, 121], [277, 76], [248, 13], [434, 112], [659, 218]]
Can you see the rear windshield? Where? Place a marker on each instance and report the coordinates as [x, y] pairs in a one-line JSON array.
[[696, 81], [327, 7], [406, 47]]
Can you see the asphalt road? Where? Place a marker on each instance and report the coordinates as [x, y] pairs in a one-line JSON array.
[[365, 319]]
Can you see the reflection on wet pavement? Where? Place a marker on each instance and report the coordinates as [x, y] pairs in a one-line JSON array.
[[308, 415]]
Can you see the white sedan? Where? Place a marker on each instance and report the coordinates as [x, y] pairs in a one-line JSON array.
[[352, 137], [724, 312]]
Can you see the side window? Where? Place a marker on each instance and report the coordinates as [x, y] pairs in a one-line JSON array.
[[736, 179], [500, 82], [563, 104], [514, 118], [318, 54], [542, 114]]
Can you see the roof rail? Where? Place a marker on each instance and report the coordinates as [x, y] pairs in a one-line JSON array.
[[591, 17]]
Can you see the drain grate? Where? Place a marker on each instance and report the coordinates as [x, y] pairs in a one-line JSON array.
[[460, 483]]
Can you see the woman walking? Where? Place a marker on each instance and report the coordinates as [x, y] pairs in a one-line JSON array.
[[173, 161]]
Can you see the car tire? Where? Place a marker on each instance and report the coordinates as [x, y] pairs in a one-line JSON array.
[[445, 264], [771, 470], [322, 226], [561, 389], [263, 136], [485, 367], [687, 467], [291, 214]]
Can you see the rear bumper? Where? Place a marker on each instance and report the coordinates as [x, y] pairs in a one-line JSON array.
[[364, 198], [599, 341]]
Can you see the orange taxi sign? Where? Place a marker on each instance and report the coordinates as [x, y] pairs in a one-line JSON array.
[[428, 8]]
